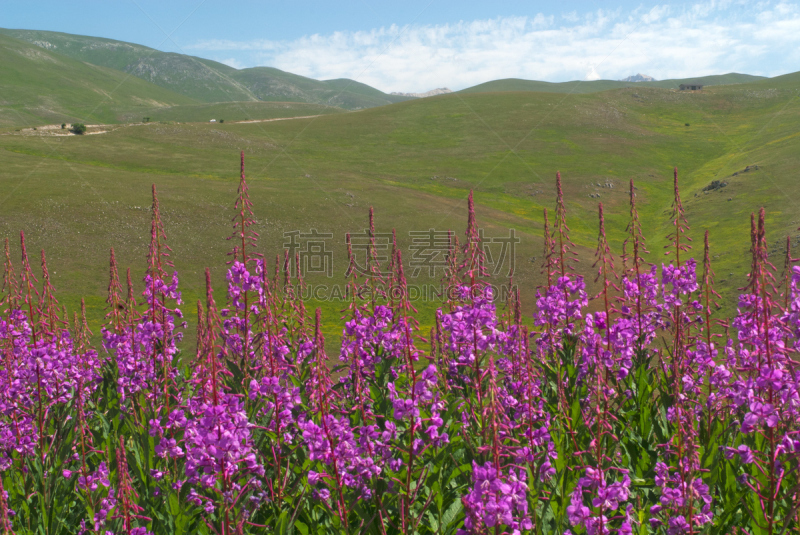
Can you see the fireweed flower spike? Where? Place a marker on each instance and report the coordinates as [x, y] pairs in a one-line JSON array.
[[377, 281], [243, 288], [497, 499], [597, 502], [83, 333], [679, 239], [561, 304], [116, 304], [28, 288], [474, 263], [639, 285], [49, 321], [127, 509], [565, 257], [604, 263], [10, 291], [131, 315], [499, 429], [766, 390], [5, 522], [548, 252], [199, 356], [715, 374], [155, 335], [220, 457], [324, 440], [243, 220], [243, 291], [145, 347], [634, 244], [275, 397], [159, 338], [685, 501]]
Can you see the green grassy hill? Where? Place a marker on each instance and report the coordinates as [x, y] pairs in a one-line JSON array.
[[39, 86], [580, 86], [268, 83], [200, 79], [415, 162], [786, 81], [206, 80], [351, 86]]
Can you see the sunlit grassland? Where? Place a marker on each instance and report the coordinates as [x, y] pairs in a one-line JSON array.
[[78, 196]]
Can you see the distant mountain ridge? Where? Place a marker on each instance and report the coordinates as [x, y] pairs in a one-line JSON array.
[[206, 80], [38, 86], [639, 77], [431, 93], [581, 86], [51, 77]]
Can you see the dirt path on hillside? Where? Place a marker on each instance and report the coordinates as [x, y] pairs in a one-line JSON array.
[[95, 129], [276, 119]]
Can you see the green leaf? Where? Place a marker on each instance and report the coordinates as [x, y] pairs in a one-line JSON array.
[[174, 506], [301, 527], [283, 523], [451, 514]]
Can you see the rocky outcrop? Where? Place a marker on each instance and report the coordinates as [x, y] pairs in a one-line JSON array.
[[638, 78]]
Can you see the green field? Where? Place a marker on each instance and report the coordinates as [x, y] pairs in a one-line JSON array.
[[231, 111], [414, 161]]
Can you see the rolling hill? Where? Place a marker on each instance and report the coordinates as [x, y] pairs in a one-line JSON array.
[[415, 162], [209, 81], [581, 86], [40, 86], [269, 84], [206, 80]]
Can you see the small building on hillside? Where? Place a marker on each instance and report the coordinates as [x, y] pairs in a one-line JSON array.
[[691, 87]]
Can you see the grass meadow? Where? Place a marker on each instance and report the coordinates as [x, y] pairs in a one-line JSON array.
[[414, 162]]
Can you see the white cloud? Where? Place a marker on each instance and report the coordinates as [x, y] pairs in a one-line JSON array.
[[665, 41]]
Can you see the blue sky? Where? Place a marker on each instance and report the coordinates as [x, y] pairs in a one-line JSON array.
[[413, 45]]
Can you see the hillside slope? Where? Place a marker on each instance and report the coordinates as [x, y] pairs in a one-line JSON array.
[[206, 80], [41, 86], [268, 83], [415, 162], [233, 111], [581, 86]]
